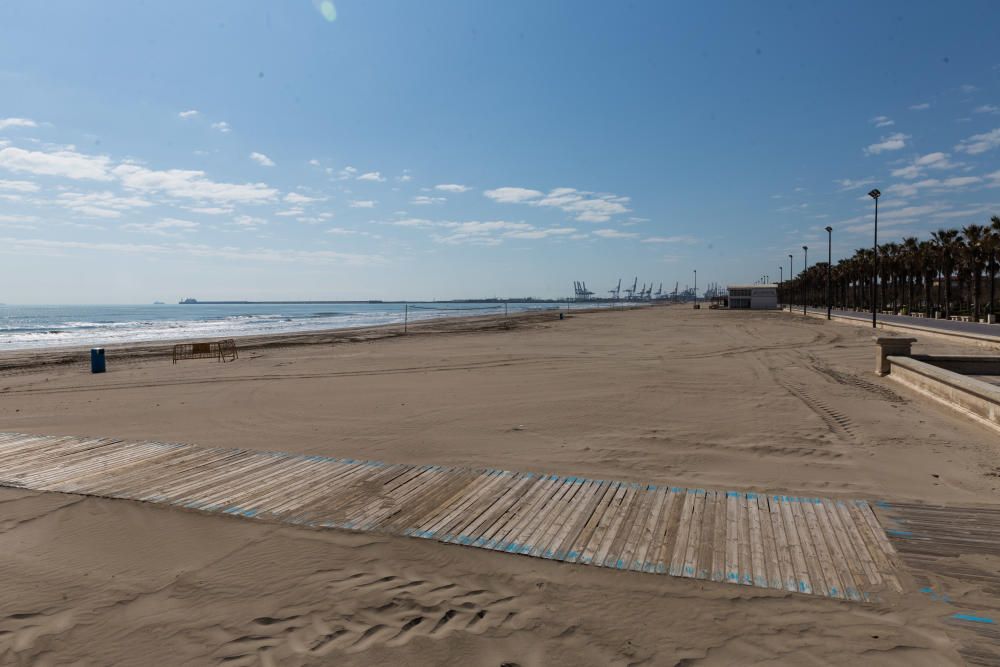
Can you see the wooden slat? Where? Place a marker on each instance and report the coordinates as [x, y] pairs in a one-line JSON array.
[[757, 565], [676, 567], [817, 546], [577, 552], [648, 531], [803, 581], [819, 584], [771, 561]]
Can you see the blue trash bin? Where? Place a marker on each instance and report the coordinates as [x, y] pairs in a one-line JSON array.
[[97, 360]]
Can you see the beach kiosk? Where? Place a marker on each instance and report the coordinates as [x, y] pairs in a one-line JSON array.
[[753, 297]]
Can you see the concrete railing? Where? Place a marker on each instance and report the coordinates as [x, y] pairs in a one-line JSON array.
[[948, 379], [961, 392]]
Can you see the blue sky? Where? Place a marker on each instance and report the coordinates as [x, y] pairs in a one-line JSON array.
[[446, 149]]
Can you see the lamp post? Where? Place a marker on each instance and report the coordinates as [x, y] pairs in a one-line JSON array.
[[696, 286], [805, 267], [790, 274], [781, 278], [875, 194], [829, 257]]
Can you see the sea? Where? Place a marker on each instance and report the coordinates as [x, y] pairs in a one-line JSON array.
[[23, 327]]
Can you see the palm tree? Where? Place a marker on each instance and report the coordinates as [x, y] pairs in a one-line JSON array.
[[994, 248], [927, 263], [947, 244], [909, 263], [974, 260]]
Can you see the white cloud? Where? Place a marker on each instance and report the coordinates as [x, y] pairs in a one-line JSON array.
[[851, 184], [424, 200], [583, 205], [314, 162], [249, 221], [413, 222], [66, 163], [994, 179], [290, 213], [614, 234], [882, 121], [163, 227], [482, 233], [510, 195], [191, 184], [541, 233], [920, 107], [671, 239], [46, 246], [452, 187], [968, 88], [211, 210], [960, 181], [977, 143], [987, 108], [936, 160], [405, 177], [345, 173], [190, 113], [342, 231], [18, 186], [893, 142], [374, 176], [100, 204], [296, 198], [16, 122], [363, 203], [261, 159], [222, 126]]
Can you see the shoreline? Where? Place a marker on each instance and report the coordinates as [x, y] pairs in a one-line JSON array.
[[33, 358]]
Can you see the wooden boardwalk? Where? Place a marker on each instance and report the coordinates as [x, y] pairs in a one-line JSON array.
[[818, 546], [952, 553]]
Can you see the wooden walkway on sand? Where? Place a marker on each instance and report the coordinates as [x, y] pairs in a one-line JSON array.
[[818, 546]]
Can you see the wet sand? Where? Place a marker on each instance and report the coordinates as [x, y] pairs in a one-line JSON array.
[[750, 401]]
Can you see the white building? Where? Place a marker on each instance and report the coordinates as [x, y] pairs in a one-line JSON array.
[[753, 297]]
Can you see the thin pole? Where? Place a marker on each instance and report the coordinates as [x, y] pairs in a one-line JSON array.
[[790, 274], [829, 257], [875, 268], [406, 317], [781, 278], [805, 267], [993, 278]]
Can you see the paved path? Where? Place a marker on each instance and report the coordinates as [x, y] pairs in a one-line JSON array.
[[820, 546], [944, 326]]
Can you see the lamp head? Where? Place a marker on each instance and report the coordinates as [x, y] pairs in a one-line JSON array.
[[875, 194], [829, 229]]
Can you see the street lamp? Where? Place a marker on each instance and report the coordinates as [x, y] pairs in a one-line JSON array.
[[829, 256], [790, 274], [781, 278], [875, 194], [696, 286], [805, 267]]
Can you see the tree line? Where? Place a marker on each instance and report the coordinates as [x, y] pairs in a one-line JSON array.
[[954, 271]]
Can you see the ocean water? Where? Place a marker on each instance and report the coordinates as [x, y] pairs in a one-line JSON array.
[[24, 327]]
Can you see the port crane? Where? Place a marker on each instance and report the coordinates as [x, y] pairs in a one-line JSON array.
[[580, 291], [616, 292], [630, 291]]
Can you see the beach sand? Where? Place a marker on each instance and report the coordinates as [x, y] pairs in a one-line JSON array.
[[723, 400]]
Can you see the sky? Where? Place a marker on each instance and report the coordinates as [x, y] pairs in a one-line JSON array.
[[383, 149]]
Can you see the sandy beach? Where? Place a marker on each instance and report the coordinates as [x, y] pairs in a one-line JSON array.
[[722, 400]]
